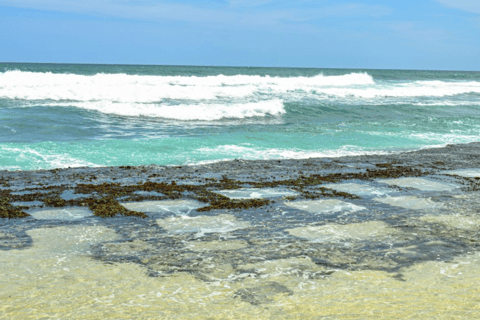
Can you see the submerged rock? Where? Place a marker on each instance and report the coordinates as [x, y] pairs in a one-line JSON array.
[[262, 294]]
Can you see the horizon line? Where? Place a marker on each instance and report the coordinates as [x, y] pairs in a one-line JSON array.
[[231, 66]]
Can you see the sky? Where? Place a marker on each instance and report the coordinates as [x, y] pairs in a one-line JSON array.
[[407, 34]]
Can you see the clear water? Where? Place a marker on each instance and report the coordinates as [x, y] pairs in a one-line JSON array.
[[95, 115]]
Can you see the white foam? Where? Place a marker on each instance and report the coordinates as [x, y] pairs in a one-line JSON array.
[[436, 140], [148, 94], [420, 184], [42, 159], [254, 193], [198, 111], [226, 152], [447, 103], [111, 87], [411, 89], [324, 206], [445, 138], [179, 207], [141, 88]]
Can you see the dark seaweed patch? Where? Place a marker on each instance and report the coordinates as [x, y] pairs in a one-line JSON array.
[[55, 202], [7, 211], [109, 207], [235, 204], [102, 196], [383, 165]]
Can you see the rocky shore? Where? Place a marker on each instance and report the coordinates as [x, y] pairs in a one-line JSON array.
[[258, 228], [102, 186]]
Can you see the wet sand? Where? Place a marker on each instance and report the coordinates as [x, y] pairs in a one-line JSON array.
[[356, 237]]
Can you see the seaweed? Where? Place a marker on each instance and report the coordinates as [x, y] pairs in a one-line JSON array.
[[383, 165], [109, 207], [102, 196], [7, 211], [322, 192], [55, 202]]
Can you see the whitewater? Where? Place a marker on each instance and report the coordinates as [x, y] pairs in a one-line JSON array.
[[54, 116]]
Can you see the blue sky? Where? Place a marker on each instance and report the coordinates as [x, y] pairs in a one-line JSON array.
[[421, 34]]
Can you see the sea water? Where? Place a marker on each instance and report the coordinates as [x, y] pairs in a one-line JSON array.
[[406, 248], [55, 115]]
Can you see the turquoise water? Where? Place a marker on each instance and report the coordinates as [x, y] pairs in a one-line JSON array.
[[95, 115]]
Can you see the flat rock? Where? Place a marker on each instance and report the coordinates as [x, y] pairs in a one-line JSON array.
[[27, 203], [359, 189], [179, 207], [69, 213], [202, 224], [324, 206], [217, 245], [410, 202], [467, 173], [454, 221], [337, 232], [148, 193], [262, 294], [297, 267], [254, 193], [420, 184]]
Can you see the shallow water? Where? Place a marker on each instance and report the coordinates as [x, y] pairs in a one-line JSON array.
[[470, 173], [202, 224], [71, 213], [410, 202], [254, 193], [60, 279], [403, 252], [172, 206], [336, 232], [324, 206], [420, 184], [455, 221], [359, 189]]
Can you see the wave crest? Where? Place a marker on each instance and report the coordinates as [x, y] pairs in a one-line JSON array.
[[144, 89], [202, 111]]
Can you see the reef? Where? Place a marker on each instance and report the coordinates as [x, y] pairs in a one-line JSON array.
[[102, 197], [234, 220]]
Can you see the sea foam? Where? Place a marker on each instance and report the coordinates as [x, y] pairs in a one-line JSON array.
[[200, 111], [209, 98], [144, 89]]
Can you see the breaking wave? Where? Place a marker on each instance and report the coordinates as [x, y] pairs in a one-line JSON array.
[[228, 152], [200, 111], [144, 89], [209, 98]]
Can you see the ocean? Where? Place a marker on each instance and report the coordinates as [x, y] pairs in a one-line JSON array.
[[68, 115], [310, 235]]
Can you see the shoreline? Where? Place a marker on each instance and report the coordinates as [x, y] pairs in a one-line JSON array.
[[112, 184], [359, 154], [255, 236], [463, 152]]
